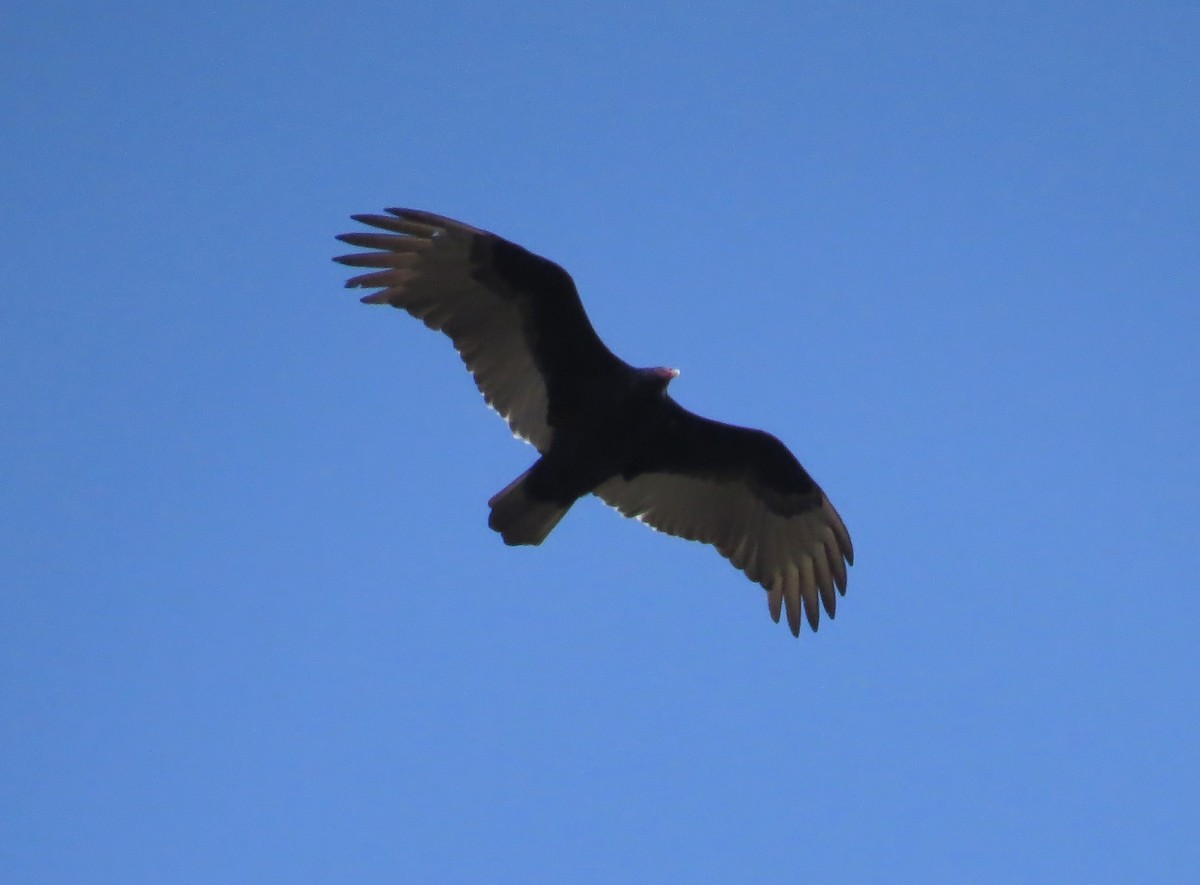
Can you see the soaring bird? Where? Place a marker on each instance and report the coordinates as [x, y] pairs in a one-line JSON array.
[[600, 425]]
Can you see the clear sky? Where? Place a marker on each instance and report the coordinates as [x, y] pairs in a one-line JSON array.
[[253, 625]]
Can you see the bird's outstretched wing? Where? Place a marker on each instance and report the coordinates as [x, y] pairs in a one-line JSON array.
[[514, 317], [743, 492]]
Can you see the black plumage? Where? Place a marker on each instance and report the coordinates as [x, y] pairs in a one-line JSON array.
[[602, 426]]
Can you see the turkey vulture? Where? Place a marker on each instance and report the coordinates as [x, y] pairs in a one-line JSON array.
[[600, 425]]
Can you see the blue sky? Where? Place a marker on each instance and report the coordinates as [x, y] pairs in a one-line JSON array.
[[253, 625]]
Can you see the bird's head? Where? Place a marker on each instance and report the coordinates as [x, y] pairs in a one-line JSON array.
[[661, 376]]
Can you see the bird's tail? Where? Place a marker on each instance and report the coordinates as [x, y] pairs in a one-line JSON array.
[[519, 517]]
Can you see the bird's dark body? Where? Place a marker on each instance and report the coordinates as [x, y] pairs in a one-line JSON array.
[[618, 422], [600, 425]]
